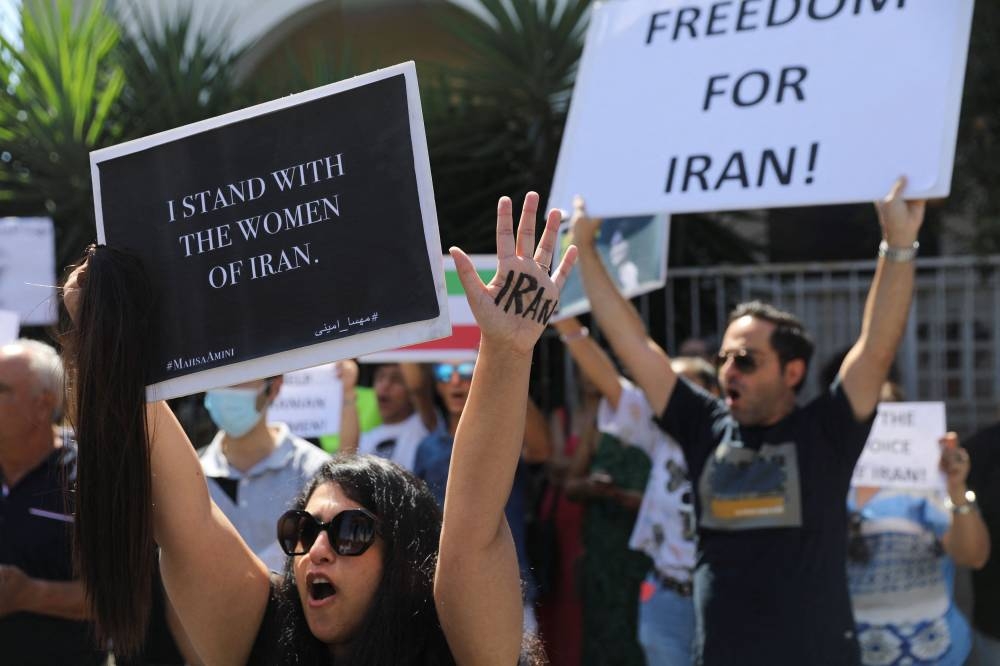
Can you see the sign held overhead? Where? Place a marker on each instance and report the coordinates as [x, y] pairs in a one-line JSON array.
[[691, 105], [283, 236]]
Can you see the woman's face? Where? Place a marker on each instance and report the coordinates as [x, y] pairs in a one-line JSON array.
[[336, 590]]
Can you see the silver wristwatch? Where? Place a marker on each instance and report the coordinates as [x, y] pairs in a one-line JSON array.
[[962, 509], [898, 254]]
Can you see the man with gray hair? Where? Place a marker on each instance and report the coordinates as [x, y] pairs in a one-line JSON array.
[[43, 610]]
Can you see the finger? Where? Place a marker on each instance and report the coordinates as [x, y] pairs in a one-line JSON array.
[[897, 189], [565, 267], [467, 275], [505, 229], [526, 226], [949, 440], [579, 207], [547, 243]]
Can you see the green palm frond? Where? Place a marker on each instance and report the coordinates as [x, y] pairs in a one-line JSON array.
[[318, 67], [61, 85], [495, 124], [176, 73]]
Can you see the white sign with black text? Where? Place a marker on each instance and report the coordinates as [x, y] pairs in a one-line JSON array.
[[697, 105], [903, 451], [309, 402]]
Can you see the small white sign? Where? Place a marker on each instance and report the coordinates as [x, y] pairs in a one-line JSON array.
[[10, 326], [28, 269], [699, 105], [309, 402], [634, 251], [903, 451]]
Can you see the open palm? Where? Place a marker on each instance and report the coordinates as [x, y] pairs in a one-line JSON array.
[[515, 306]]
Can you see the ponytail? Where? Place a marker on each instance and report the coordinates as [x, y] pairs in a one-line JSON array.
[[106, 353]]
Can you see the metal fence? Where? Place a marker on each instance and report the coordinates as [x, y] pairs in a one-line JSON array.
[[951, 349]]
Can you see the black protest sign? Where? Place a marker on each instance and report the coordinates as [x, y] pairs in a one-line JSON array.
[[291, 233]]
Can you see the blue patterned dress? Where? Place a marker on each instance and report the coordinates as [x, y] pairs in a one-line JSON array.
[[901, 583]]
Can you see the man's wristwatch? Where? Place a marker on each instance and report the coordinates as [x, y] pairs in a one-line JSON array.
[[968, 507], [898, 254]]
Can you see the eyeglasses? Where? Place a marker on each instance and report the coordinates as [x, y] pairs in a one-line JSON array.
[[444, 371], [350, 532], [744, 360]]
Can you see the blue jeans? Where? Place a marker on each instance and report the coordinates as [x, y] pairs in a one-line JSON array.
[[985, 651], [666, 625]]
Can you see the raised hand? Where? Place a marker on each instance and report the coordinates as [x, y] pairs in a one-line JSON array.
[[347, 372], [71, 290], [513, 309], [583, 228], [954, 464], [900, 220]]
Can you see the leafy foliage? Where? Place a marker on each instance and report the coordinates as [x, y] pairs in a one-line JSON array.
[[61, 86], [175, 74], [495, 125], [977, 171]]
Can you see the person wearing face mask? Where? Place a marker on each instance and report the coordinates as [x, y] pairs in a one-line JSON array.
[[255, 468]]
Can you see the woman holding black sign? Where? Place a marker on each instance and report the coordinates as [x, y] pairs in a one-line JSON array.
[[368, 579]]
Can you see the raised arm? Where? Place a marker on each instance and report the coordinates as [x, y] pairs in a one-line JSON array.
[[216, 584], [593, 361], [867, 363], [350, 428], [421, 392], [646, 361], [477, 584], [967, 541], [537, 447]]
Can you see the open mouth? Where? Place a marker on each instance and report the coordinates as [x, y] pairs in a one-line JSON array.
[[732, 395], [320, 588]]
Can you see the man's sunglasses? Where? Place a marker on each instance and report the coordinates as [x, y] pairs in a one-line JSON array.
[[350, 532], [744, 360], [444, 371]]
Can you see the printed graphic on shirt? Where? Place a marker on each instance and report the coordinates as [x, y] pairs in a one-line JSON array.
[[895, 574], [899, 593], [677, 480], [743, 489]]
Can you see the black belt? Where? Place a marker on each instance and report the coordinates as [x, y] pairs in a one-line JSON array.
[[682, 588]]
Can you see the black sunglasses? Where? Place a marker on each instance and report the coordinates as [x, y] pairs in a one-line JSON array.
[[744, 360], [350, 532]]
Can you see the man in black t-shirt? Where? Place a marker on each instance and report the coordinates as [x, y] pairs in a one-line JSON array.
[[984, 480], [771, 478]]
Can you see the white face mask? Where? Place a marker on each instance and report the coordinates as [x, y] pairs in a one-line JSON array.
[[234, 410]]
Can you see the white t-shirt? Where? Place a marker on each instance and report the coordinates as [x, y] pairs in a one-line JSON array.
[[396, 441], [665, 526]]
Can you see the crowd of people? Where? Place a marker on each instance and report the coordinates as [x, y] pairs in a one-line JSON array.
[[683, 512]]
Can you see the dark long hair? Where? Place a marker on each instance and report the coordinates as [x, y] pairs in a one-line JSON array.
[[105, 355], [401, 626]]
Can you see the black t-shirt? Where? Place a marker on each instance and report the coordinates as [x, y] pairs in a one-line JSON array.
[[770, 581], [984, 479], [36, 521]]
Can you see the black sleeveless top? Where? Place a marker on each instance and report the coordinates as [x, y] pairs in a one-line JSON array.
[[276, 644]]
